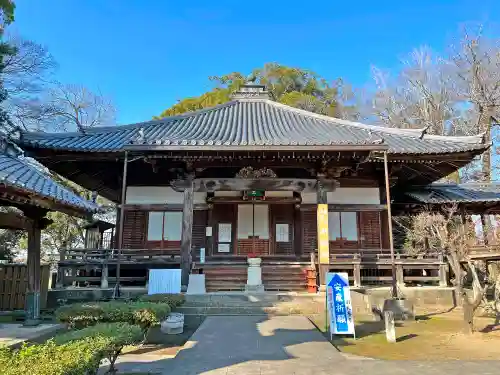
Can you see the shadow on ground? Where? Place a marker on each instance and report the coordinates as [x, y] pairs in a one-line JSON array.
[[223, 342]]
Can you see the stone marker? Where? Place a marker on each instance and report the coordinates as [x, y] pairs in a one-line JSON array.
[[402, 308], [390, 327], [196, 284]]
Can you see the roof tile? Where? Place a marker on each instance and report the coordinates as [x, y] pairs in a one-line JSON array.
[[255, 123], [20, 174], [451, 193]]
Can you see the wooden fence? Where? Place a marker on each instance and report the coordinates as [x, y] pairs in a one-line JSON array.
[[365, 267], [13, 284]]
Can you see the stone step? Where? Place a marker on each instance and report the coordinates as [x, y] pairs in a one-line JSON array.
[[226, 310], [255, 297], [236, 303], [249, 310]]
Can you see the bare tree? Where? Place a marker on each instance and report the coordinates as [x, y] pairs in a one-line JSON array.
[[74, 107], [475, 64], [36, 102], [26, 76], [442, 232], [417, 97]]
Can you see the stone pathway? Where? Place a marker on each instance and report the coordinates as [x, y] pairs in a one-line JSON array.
[[286, 345], [15, 333]]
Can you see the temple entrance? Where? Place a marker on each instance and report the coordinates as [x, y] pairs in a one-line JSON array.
[[253, 229]]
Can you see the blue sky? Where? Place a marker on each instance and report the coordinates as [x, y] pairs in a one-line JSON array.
[[147, 54]]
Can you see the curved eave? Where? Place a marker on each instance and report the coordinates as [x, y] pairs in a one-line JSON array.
[[236, 148], [22, 196]]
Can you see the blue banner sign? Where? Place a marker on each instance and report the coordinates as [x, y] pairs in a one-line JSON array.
[[338, 301]]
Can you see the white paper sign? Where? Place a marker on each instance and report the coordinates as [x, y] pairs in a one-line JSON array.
[[202, 255], [208, 231], [282, 233], [164, 281], [224, 248], [224, 232]]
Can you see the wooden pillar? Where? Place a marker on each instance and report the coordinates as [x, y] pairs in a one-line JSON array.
[[297, 230], [210, 223], [32, 304], [60, 269], [322, 229], [121, 222], [187, 232], [394, 290]]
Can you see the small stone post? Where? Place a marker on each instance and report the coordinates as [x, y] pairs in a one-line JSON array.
[[400, 276], [390, 327], [443, 272], [104, 271], [357, 271]]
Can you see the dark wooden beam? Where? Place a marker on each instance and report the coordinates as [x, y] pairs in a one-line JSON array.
[[356, 207], [268, 200], [242, 184], [12, 220], [162, 207], [187, 234]]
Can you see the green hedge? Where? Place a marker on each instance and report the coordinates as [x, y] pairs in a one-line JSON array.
[[173, 300], [143, 314], [116, 336], [81, 357]]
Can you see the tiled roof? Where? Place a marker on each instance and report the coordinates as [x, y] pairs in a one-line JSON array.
[[17, 173], [452, 193], [252, 124]]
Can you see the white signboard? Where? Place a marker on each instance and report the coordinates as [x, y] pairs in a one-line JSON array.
[[164, 281], [202, 255], [338, 301], [224, 248], [282, 233], [224, 232]]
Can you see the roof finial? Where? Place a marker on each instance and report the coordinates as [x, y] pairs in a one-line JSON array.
[[251, 90]]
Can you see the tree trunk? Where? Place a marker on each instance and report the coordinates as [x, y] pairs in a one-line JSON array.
[[485, 126]]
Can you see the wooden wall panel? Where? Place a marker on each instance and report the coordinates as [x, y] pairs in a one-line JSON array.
[[384, 229], [200, 222], [247, 245], [309, 232], [224, 213], [369, 228], [282, 214], [135, 228], [13, 285]]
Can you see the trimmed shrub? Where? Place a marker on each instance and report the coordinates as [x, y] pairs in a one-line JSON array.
[[81, 357], [173, 300], [143, 314], [116, 336], [79, 315], [148, 314]]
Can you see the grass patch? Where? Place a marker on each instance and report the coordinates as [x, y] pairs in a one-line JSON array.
[[436, 337]]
